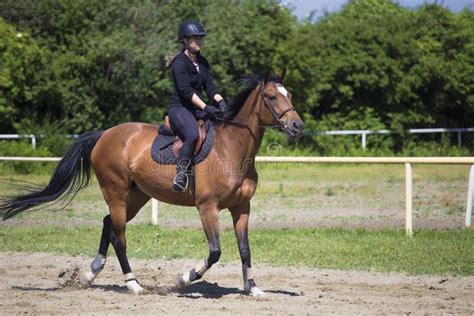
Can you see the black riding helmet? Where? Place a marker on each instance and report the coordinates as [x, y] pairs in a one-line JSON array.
[[189, 29]]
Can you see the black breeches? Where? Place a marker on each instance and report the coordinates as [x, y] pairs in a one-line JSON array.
[[183, 122]]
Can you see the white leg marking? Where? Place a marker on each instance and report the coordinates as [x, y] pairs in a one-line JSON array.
[[187, 278], [132, 283], [255, 291], [96, 266], [183, 280], [250, 287], [88, 277]]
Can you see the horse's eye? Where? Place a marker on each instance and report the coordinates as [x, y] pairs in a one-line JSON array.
[[272, 98]]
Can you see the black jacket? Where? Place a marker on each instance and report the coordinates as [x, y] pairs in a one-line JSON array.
[[188, 80]]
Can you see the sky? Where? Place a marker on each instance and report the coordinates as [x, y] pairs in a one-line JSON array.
[[302, 8]]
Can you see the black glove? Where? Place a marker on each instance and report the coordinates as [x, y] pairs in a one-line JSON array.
[[222, 106], [212, 111]]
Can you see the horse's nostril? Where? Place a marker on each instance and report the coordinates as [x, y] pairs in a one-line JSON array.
[[297, 125], [295, 128]]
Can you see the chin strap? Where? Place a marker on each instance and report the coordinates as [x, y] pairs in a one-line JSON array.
[[187, 48]]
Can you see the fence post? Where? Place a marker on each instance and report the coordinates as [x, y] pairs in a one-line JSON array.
[[154, 211], [364, 140], [408, 199], [33, 141], [470, 187]]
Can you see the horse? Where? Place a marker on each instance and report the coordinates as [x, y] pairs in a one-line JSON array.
[[128, 177]]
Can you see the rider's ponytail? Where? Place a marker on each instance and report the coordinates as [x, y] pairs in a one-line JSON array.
[[171, 56]]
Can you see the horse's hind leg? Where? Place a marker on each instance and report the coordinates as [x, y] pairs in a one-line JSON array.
[[120, 216], [210, 223], [240, 217], [113, 231], [99, 261]]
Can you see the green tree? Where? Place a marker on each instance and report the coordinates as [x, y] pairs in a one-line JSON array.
[[22, 64], [92, 64], [406, 68]]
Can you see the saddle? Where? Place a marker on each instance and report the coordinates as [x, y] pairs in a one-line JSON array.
[[165, 129], [166, 145]]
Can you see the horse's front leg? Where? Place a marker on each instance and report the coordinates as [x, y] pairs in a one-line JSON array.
[[210, 222], [240, 216]]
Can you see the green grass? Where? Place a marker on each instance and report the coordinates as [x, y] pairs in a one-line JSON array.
[[335, 172], [433, 252], [284, 190]]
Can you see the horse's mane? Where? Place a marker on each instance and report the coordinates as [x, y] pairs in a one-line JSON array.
[[249, 83]]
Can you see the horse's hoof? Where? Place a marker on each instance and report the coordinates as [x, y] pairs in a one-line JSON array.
[[182, 281], [134, 287], [87, 278], [256, 292], [251, 288], [132, 283]]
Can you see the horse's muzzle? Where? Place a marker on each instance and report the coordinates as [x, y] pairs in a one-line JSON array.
[[294, 128]]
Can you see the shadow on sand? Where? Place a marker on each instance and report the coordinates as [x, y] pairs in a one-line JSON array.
[[197, 290]]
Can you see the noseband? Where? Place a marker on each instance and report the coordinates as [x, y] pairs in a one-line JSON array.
[[277, 116]]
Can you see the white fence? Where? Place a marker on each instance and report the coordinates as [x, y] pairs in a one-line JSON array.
[[407, 161], [363, 133], [30, 136], [17, 136]]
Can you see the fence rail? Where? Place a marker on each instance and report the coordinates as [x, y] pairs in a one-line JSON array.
[[369, 160], [31, 136], [364, 133], [17, 136], [407, 161]]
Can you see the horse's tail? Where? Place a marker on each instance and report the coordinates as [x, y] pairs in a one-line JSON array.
[[71, 176]]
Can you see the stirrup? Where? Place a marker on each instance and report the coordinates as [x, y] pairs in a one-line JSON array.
[[178, 187]]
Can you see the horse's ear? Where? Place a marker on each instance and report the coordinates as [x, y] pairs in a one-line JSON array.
[[282, 74], [268, 75]]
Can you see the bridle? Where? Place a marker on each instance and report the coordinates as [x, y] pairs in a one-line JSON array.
[[277, 116]]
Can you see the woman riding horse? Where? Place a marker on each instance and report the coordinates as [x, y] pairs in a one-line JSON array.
[[191, 73], [128, 177]]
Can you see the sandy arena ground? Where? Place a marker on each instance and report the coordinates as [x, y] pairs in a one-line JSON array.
[[37, 283]]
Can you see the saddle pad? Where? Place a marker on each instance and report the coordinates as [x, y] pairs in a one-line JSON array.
[[162, 147]]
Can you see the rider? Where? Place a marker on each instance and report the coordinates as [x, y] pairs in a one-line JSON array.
[[191, 73]]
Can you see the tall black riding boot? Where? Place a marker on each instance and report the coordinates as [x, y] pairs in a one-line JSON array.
[[181, 181]]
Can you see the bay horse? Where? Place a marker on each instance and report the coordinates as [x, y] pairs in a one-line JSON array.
[[128, 177]]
